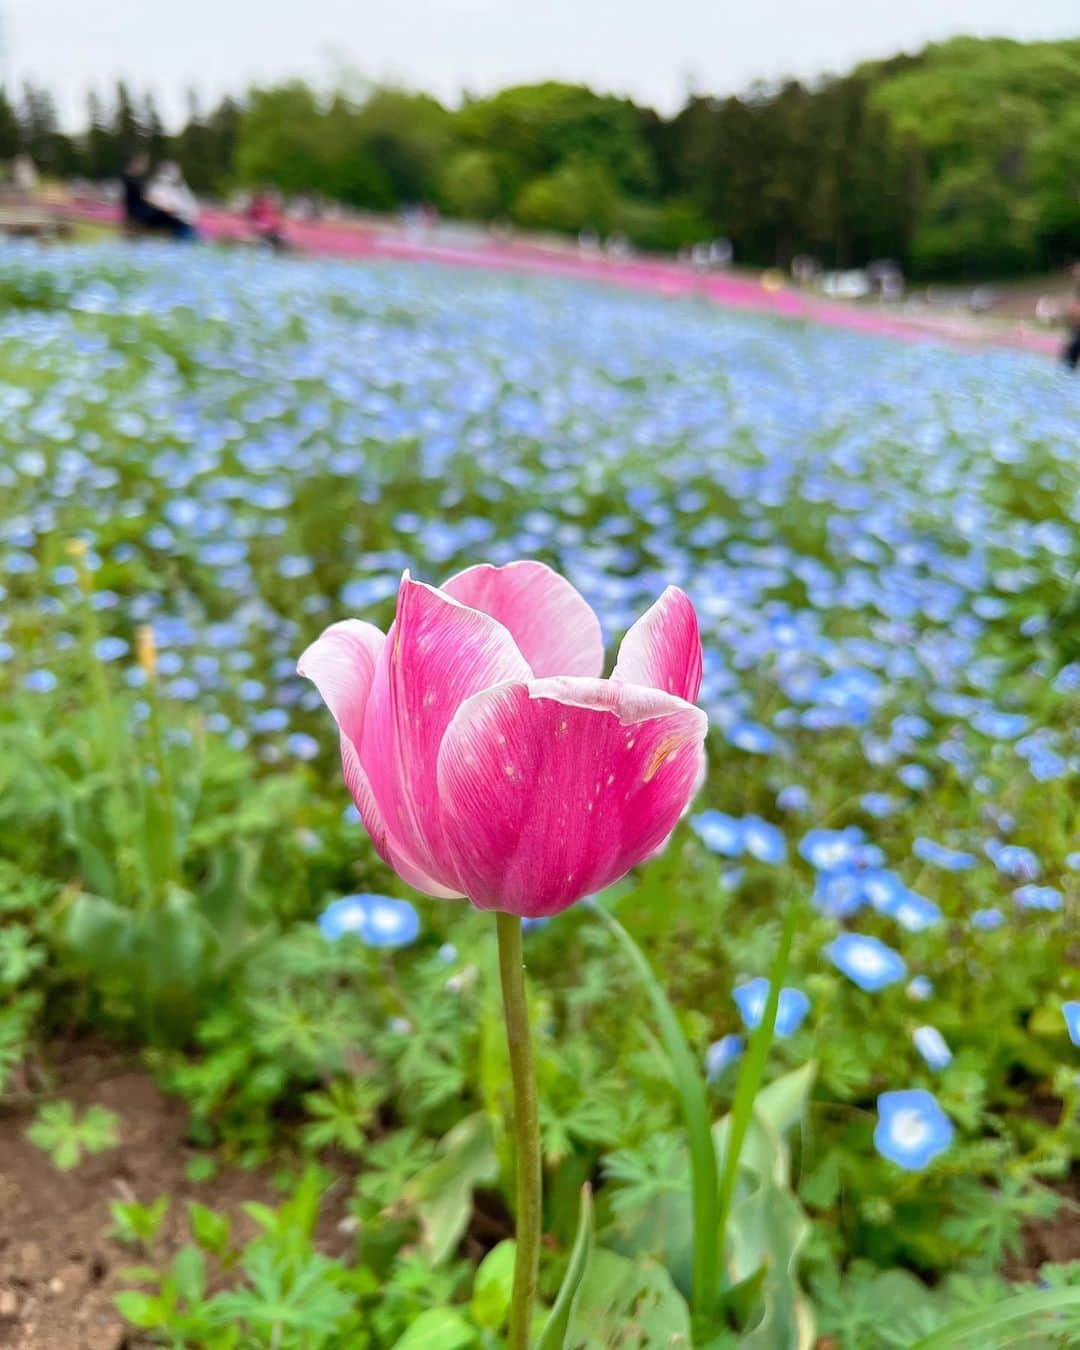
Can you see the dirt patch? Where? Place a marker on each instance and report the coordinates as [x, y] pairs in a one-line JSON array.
[[58, 1265], [1054, 1240]]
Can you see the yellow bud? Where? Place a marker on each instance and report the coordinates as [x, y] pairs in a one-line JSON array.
[[76, 548], [146, 650]]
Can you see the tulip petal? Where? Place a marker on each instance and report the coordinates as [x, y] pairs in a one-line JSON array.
[[553, 625], [663, 648], [438, 654], [553, 789], [341, 664]]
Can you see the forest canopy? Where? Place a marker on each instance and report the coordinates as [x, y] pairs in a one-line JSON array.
[[960, 161]]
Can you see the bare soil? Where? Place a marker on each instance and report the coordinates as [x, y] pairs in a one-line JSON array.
[[59, 1266]]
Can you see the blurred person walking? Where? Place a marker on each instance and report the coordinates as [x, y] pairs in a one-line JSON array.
[[170, 194], [1071, 352], [264, 217]]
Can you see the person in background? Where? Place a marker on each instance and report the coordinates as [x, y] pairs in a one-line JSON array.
[[264, 217], [168, 193], [1071, 352], [141, 216]]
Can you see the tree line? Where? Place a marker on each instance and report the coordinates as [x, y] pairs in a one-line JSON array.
[[959, 161]]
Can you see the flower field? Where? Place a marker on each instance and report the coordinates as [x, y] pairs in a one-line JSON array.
[[205, 460]]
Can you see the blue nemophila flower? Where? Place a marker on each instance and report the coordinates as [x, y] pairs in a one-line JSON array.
[[919, 989], [949, 859], [110, 649], [1014, 860], [719, 833], [999, 726], [866, 961], [931, 1044], [377, 920], [880, 805], [914, 776], [763, 841], [40, 681], [832, 850], [1071, 1011], [721, 1054], [791, 1007], [986, 920], [793, 797], [1037, 897], [914, 912], [912, 1128], [752, 737]]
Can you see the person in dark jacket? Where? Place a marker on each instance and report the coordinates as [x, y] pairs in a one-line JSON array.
[[142, 216]]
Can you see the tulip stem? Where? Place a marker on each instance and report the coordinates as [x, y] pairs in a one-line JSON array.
[[526, 1129]]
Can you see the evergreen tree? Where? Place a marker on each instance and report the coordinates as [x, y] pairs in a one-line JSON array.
[[10, 142]]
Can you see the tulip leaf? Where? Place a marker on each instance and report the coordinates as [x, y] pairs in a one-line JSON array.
[[553, 1337], [629, 1302], [690, 1085], [443, 1192]]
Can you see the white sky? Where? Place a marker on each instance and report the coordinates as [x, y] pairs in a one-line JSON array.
[[649, 49]]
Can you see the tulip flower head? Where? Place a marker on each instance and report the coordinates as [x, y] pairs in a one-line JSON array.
[[486, 756]]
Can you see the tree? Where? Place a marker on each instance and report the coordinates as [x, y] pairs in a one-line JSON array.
[[99, 148], [409, 137], [40, 135], [469, 186], [127, 131], [974, 226], [10, 142], [533, 129], [155, 141], [1055, 180], [287, 139], [577, 196]]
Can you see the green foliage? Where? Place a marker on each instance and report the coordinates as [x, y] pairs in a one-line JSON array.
[[468, 185], [137, 1224], [69, 1138], [579, 195]]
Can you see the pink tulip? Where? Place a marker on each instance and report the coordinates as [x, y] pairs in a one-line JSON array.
[[486, 755]]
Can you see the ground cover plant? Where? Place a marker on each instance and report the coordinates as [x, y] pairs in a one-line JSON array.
[[206, 460]]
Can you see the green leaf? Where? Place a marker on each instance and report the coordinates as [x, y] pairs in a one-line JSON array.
[[189, 1274], [783, 1102], [972, 1328], [56, 1130], [442, 1193], [141, 1310], [209, 1229], [553, 1337], [767, 1230], [135, 1223], [437, 1329], [629, 1303], [690, 1086], [493, 1285]]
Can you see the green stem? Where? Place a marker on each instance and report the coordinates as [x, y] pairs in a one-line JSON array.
[[526, 1130], [751, 1074]]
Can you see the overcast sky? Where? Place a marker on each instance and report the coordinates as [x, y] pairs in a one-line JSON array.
[[652, 50]]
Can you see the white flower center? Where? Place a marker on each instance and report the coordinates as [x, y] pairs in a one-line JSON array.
[[383, 920], [909, 1129], [866, 960]]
